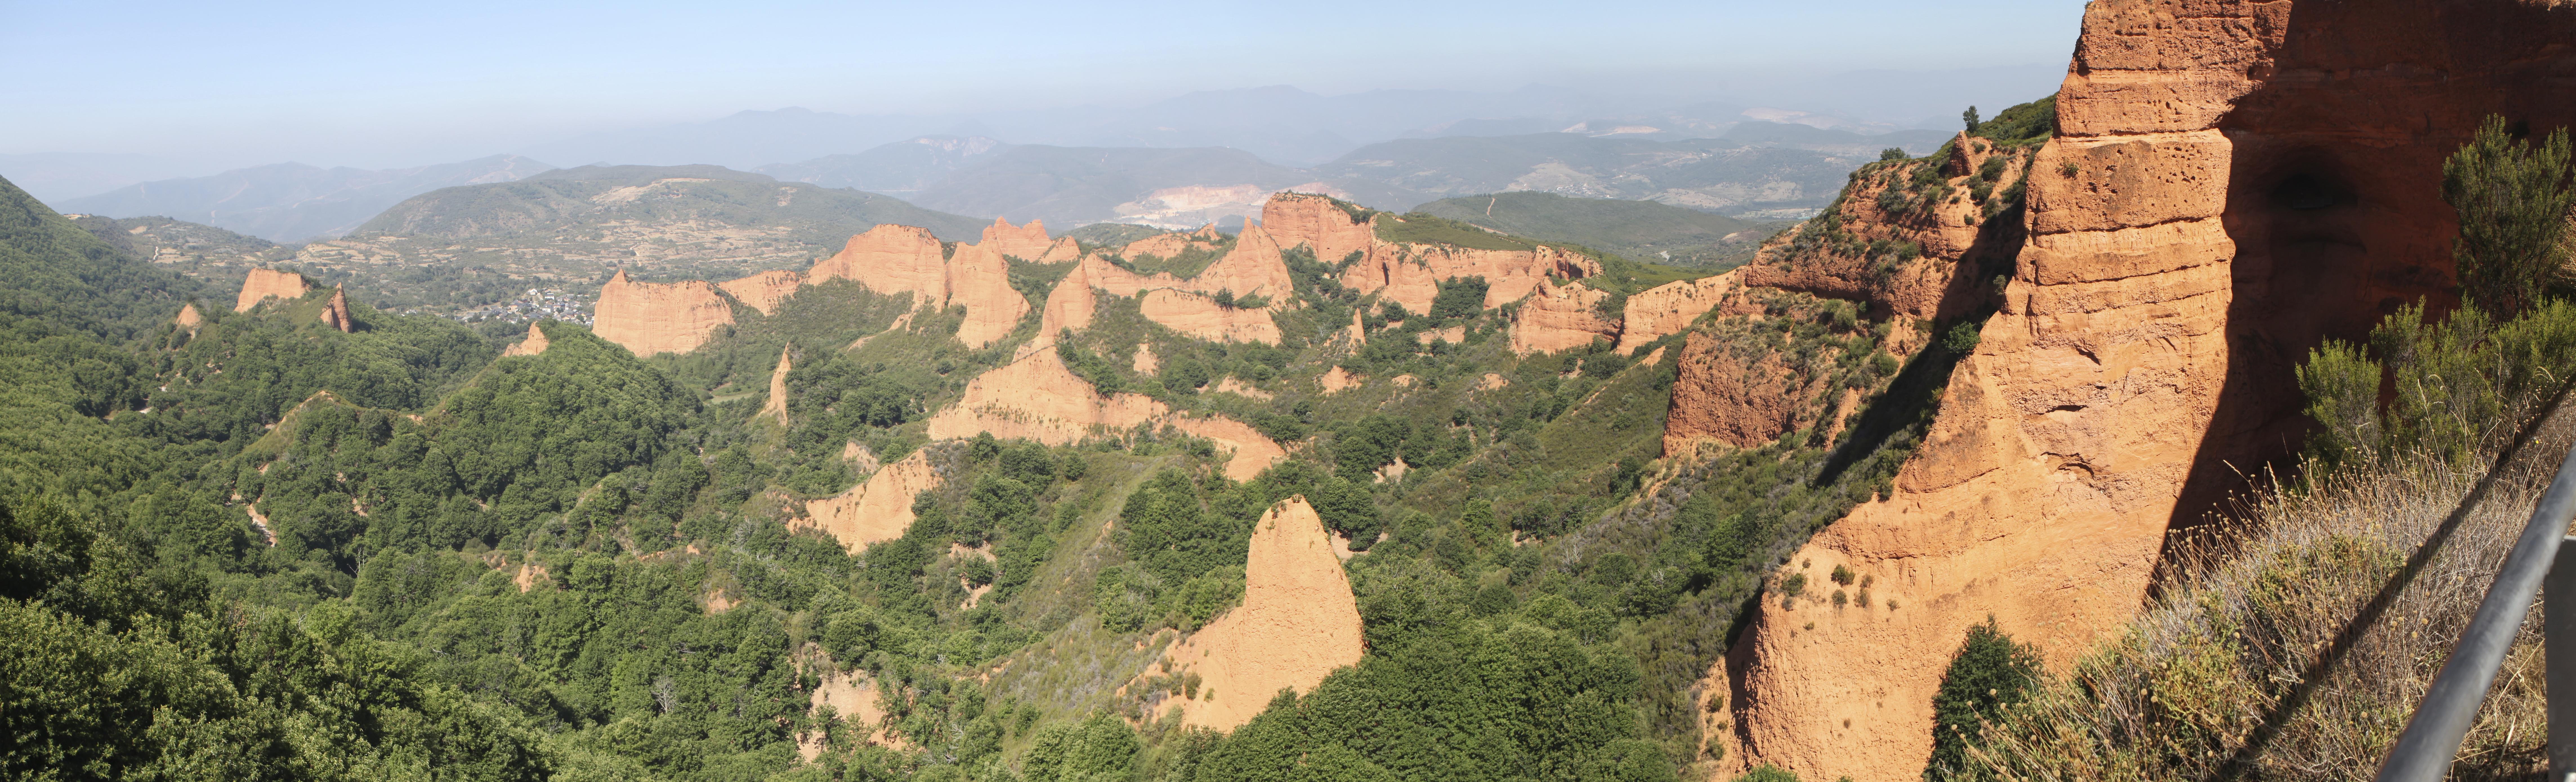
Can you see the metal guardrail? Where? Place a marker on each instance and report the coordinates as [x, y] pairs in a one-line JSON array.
[[2432, 738]]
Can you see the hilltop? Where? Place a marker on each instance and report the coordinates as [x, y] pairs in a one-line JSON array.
[[293, 202], [1645, 230]]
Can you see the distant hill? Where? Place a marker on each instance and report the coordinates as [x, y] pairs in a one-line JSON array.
[[1787, 169], [1073, 185], [462, 247], [55, 177], [60, 275], [293, 202], [900, 169], [1642, 230]]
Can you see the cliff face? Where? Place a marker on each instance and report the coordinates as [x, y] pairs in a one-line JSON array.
[[266, 283], [1670, 308], [1557, 318], [2231, 182], [763, 291], [1202, 318], [1298, 623], [1320, 223], [891, 259], [1027, 242], [650, 318], [879, 508], [979, 279]]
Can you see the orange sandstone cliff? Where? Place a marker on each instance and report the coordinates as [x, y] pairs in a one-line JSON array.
[[763, 291], [1298, 623], [650, 318], [1028, 242], [264, 284], [2230, 183]]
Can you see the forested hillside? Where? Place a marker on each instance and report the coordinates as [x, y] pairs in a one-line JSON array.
[[259, 544]]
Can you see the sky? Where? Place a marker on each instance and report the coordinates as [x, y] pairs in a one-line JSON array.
[[392, 83]]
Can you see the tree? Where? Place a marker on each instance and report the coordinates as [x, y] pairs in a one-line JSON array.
[[1989, 673], [2513, 199], [1970, 117]]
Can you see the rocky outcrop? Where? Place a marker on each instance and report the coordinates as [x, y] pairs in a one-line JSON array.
[[765, 290], [1925, 261], [1170, 245], [1736, 393], [1253, 267], [1068, 308], [1201, 317], [652, 318], [891, 259], [1670, 308], [1410, 274], [535, 344], [1557, 318], [335, 313], [776, 408], [879, 508], [1027, 243], [2232, 181], [1249, 450], [1065, 250], [1298, 623], [1337, 380], [1036, 398], [265, 284], [1329, 227], [189, 318], [979, 279]]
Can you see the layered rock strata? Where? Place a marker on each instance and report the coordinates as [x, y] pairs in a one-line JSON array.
[[1671, 308]]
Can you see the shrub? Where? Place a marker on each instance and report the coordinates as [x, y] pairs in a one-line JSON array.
[[1989, 672], [1767, 773], [1962, 338], [2513, 199], [1842, 575], [1892, 153]]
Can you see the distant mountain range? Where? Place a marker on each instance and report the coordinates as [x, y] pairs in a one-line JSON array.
[[1750, 166], [1760, 169], [293, 202]]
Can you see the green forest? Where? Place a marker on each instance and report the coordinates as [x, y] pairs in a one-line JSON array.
[[260, 547]]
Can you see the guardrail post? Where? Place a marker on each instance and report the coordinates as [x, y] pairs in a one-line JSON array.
[[2558, 644]]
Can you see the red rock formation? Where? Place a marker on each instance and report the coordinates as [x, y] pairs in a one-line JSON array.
[[1670, 308], [1169, 245], [264, 284], [891, 259], [1036, 398], [1249, 451], [980, 279], [189, 318], [763, 291], [2231, 182], [1201, 317], [1068, 307], [535, 344], [1559, 318], [335, 313], [878, 509], [1065, 250], [1410, 274], [1961, 249], [776, 408], [1027, 243], [650, 318], [1743, 397], [1298, 623], [1318, 222]]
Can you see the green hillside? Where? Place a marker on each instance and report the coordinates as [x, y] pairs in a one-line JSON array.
[[1643, 230], [298, 552]]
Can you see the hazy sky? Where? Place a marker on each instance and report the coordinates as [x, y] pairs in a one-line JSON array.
[[327, 83]]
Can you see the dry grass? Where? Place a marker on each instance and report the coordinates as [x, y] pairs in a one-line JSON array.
[[2300, 650]]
